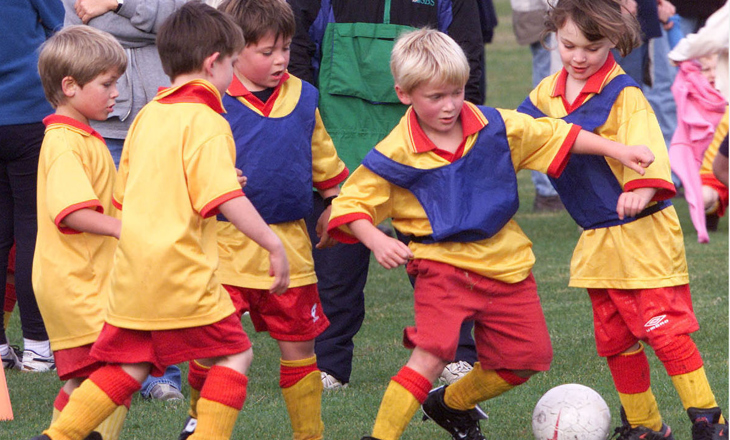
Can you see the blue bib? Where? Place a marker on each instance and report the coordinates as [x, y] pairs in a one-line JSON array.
[[587, 187], [276, 156], [468, 200]]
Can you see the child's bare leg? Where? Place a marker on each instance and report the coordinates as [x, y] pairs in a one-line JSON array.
[[222, 396], [301, 386], [406, 392], [96, 399]]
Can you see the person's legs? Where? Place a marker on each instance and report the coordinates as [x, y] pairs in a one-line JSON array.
[[341, 272], [301, 387]]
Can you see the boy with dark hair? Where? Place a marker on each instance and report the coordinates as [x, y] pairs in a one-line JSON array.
[[284, 150], [166, 305]]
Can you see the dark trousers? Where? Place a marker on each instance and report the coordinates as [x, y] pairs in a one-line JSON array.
[[19, 149], [342, 271]]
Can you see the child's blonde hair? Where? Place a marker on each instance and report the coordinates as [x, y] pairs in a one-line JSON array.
[[81, 52], [596, 19], [427, 55]]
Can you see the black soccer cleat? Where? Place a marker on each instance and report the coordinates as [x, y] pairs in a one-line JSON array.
[[706, 424], [189, 429], [462, 425], [93, 436], [626, 432]]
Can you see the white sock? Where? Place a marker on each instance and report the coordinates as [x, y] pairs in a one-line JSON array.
[[4, 349], [42, 348]]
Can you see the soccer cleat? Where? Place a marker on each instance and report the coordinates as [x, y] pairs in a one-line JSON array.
[[329, 382], [705, 424], [34, 362], [626, 432], [189, 428], [93, 436], [369, 438], [166, 392], [462, 425], [454, 371], [11, 361]]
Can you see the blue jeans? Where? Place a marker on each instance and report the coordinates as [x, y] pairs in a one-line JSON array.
[[171, 377], [115, 147], [540, 70], [660, 94]]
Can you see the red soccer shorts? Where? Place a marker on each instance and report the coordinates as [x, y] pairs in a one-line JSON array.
[[622, 317], [295, 315], [168, 347], [509, 327], [75, 362]]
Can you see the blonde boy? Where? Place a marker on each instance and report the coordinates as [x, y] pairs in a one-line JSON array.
[[284, 150], [166, 305], [446, 177], [78, 226]]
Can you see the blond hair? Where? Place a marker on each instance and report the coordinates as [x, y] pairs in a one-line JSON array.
[[81, 52], [427, 55]]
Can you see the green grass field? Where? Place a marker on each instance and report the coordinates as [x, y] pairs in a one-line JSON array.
[[349, 414]]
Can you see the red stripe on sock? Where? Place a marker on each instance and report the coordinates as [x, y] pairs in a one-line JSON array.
[[680, 356], [61, 400], [115, 383], [510, 377], [290, 376], [414, 382], [196, 375], [631, 373], [225, 386]]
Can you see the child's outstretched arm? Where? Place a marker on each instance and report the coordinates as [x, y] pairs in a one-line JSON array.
[[635, 157], [246, 219], [388, 251], [93, 222]]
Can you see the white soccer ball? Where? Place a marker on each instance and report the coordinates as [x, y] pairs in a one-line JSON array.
[[571, 412]]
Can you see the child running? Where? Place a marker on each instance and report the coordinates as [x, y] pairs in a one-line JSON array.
[[283, 149], [78, 226], [446, 175], [630, 256], [166, 305]]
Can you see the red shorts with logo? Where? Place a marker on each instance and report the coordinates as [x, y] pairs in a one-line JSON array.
[[509, 327], [75, 362], [295, 315], [161, 348], [622, 317]]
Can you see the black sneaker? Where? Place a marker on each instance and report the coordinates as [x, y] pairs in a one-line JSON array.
[[462, 425], [705, 424], [626, 432], [93, 436], [189, 429]]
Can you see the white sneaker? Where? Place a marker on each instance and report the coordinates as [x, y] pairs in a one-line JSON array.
[[166, 392], [36, 363], [454, 371], [330, 382], [11, 361]]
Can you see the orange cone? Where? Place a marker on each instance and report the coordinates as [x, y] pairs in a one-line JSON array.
[[6, 411]]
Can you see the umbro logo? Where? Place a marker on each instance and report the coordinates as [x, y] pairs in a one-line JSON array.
[[656, 322], [315, 318]]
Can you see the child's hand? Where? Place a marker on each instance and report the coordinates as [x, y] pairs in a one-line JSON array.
[[279, 269], [88, 9], [390, 252], [325, 240], [242, 180], [631, 203], [636, 157]]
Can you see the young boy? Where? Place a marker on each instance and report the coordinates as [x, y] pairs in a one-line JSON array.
[[78, 226], [283, 149], [446, 177], [166, 305]]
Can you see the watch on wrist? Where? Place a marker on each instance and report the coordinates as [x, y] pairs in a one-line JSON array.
[[119, 6]]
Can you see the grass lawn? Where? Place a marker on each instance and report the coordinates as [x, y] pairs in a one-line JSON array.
[[349, 414]]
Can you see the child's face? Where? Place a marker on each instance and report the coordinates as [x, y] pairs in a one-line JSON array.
[[94, 100], [437, 105], [580, 57], [709, 65], [221, 72], [262, 64]]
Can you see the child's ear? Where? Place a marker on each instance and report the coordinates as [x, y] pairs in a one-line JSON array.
[[209, 61], [69, 86], [404, 97]]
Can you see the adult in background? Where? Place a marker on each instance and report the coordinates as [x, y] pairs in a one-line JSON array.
[[134, 24], [25, 25]]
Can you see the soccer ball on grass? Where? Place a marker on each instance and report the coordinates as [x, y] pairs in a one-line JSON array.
[[571, 412]]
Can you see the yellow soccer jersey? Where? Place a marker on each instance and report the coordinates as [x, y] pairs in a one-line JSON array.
[[537, 144], [646, 253], [177, 167], [244, 263], [712, 149], [71, 268]]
